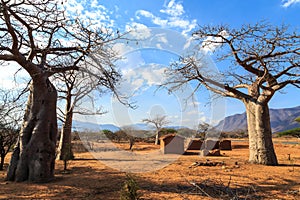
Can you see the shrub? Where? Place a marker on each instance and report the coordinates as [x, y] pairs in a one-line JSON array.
[[130, 189], [293, 132]]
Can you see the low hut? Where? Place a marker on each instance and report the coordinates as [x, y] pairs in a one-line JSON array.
[[211, 144], [172, 144], [225, 145], [195, 144]]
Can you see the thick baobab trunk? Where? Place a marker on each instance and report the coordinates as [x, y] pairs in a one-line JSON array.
[[65, 147], [33, 158], [260, 134]]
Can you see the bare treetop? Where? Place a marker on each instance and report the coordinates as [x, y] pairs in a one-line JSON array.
[[268, 55], [158, 121], [39, 33]]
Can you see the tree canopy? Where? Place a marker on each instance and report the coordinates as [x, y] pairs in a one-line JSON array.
[[254, 62]]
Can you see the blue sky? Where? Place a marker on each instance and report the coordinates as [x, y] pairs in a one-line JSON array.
[[184, 17], [143, 66]]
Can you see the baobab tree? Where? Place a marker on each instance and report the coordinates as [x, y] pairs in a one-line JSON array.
[[73, 87], [158, 122], [256, 61], [43, 41]]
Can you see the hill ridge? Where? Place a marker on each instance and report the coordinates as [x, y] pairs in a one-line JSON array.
[[281, 119]]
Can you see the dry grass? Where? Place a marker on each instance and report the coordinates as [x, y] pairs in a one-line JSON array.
[[88, 178]]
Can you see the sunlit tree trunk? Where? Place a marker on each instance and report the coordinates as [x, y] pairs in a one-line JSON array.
[[260, 134], [65, 145], [33, 158], [157, 137]]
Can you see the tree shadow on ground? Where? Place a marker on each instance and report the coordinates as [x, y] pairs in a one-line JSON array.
[[86, 182], [214, 189], [208, 188]]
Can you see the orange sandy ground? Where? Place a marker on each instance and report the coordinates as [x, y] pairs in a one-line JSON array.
[[88, 178]]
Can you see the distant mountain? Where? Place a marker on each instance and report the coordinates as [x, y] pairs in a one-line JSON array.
[[88, 126], [176, 127], [142, 126], [111, 127], [146, 127], [84, 126], [281, 120]]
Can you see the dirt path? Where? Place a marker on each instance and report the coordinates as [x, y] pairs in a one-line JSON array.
[[182, 179]]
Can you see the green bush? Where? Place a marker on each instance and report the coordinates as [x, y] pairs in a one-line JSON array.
[[293, 132]]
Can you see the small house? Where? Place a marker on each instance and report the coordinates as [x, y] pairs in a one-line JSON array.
[[172, 144], [225, 145], [211, 144], [195, 144]]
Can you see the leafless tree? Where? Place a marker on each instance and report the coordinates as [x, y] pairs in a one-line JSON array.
[[131, 135], [73, 88], [203, 127], [38, 37], [9, 123], [257, 61], [158, 122]]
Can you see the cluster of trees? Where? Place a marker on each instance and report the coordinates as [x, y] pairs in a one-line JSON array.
[[58, 50], [293, 132], [38, 37], [131, 135], [10, 110]]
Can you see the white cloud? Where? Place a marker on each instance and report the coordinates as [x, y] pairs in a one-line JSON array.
[[137, 83], [287, 3], [193, 112], [138, 31], [203, 119], [210, 44], [194, 103], [94, 3], [174, 17], [140, 79], [9, 79], [153, 75], [173, 9], [119, 48], [145, 13], [162, 38], [159, 46], [98, 15]]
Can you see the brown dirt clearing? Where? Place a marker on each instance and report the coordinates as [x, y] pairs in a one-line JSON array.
[[88, 178]]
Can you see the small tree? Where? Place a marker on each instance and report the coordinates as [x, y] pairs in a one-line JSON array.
[[131, 135], [73, 87], [158, 122], [202, 130], [8, 138], [109, 134]]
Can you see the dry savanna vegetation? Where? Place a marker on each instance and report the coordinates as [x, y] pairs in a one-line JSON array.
[[229, 176], [68, 60]]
